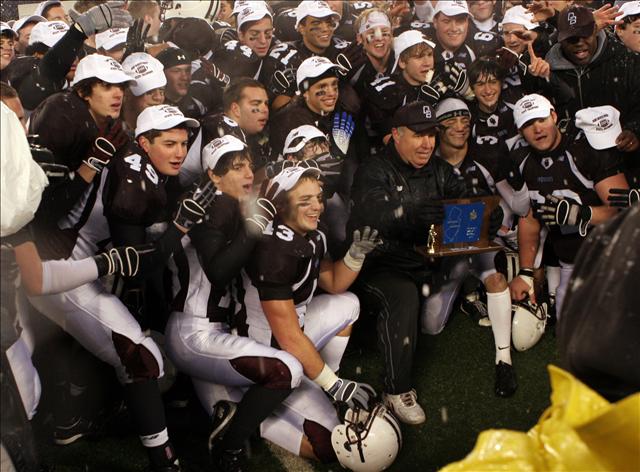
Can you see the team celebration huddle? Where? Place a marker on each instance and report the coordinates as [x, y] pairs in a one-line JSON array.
[[205, 204]]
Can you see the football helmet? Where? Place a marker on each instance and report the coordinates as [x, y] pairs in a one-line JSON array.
[[528, 325], [367, 441], [507, 263], [207, 10]]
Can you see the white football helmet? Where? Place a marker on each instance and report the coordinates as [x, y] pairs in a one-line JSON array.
[[528, 325], [367, 441], [190, 9]]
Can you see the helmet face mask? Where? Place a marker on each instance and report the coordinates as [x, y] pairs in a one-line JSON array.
[[528, 325], [367, 441]]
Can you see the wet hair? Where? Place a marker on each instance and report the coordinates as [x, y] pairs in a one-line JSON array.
[[233, 92], [417, 50], [364, 15], [36, 48], [627, 20], [154, 133], [7, 91], [225, 163], [486, 66]]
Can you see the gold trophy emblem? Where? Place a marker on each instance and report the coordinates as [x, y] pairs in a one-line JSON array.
[[431, 240]]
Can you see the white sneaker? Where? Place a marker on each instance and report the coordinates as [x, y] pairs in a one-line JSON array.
[[405, 407]]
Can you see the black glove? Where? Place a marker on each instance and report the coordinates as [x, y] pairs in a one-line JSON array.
[[564, 212], [351, 60], [282, 81], [623, 197], [455, 78], [214, 73], [429, 213], [507, 169], [194, 204], [123, 261], [352, 393], [136, 36], [431, 93], [495, 221], [327, 164], [102, 17], [111, 138], [264, 210], [274, 168]]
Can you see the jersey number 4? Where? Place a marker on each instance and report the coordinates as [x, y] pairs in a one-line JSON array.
[[135, 162]]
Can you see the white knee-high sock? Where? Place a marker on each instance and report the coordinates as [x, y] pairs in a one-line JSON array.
[[499, 308], [333, 351]]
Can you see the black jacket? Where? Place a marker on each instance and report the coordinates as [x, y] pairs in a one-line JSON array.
[[386, 195], [611, 78]]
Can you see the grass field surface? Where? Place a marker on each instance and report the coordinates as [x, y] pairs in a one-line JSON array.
[[454, 375]]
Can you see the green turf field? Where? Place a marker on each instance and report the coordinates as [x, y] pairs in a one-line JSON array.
[[454, 380]]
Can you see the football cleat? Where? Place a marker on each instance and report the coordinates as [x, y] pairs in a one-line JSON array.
[[223, 413], [77, 428], [476, 309], [405, 407], [506, 383]]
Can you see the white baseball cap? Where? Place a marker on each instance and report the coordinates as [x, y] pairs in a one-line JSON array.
[[407, 39], [288, 178], [298, 137], [240, 5], [313, 67], [601, 125], [5, 27], [629, 9], [42, 6], [48, 32], [375, 19], [531, 107], [162, 117], [314, 8], [111, 38], [254, 12], [18, 25], [519, 15], [217, 148], [451, 8], [101, 67], [147, 71]]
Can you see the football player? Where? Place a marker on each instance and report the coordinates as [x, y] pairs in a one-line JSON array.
[[487, 171], [483, 27], [148, 90], [568, 182], [129, 198], [177, 69], [316, 23], [282, 310]]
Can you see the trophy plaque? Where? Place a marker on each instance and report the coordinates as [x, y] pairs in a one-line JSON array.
[[465, 229]]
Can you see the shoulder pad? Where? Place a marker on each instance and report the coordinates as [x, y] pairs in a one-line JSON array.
[[133, 191], [283, 240]]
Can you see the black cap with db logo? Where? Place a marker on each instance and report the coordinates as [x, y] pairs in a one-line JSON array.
[[417, 116]]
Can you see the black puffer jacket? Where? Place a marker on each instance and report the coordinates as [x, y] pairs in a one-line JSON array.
[[611, 78], [386, 195]]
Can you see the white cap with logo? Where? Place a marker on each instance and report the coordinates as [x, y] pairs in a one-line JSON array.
[[406, 40], [314, 8], [519, 15], [288, 178], [531, 107], [147, 71], [217, 148], [48, 32], [601, 126], [629, 9], [313, 67], [111, 38], [298, 137], [162, 117], [451, 8], [19, 24], [253, 12], [101, 67]]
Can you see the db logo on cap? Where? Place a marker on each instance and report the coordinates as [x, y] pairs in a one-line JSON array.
[[572, 18], [426, 111]]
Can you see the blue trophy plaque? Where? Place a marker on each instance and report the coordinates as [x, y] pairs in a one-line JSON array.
[[465, 229]]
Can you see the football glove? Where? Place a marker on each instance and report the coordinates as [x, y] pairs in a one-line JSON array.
[[363, 243], [123, 261], [282, 81], [111, 138], [102, 17], [564, 212], [623, 197], [455, 78], [343, 127], [431, 93], [327, 164], [352, 393], [264, 210], [214, 73], [194, 204]]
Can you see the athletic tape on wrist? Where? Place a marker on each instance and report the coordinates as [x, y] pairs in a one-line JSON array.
[[352, 263], [326, 379]]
